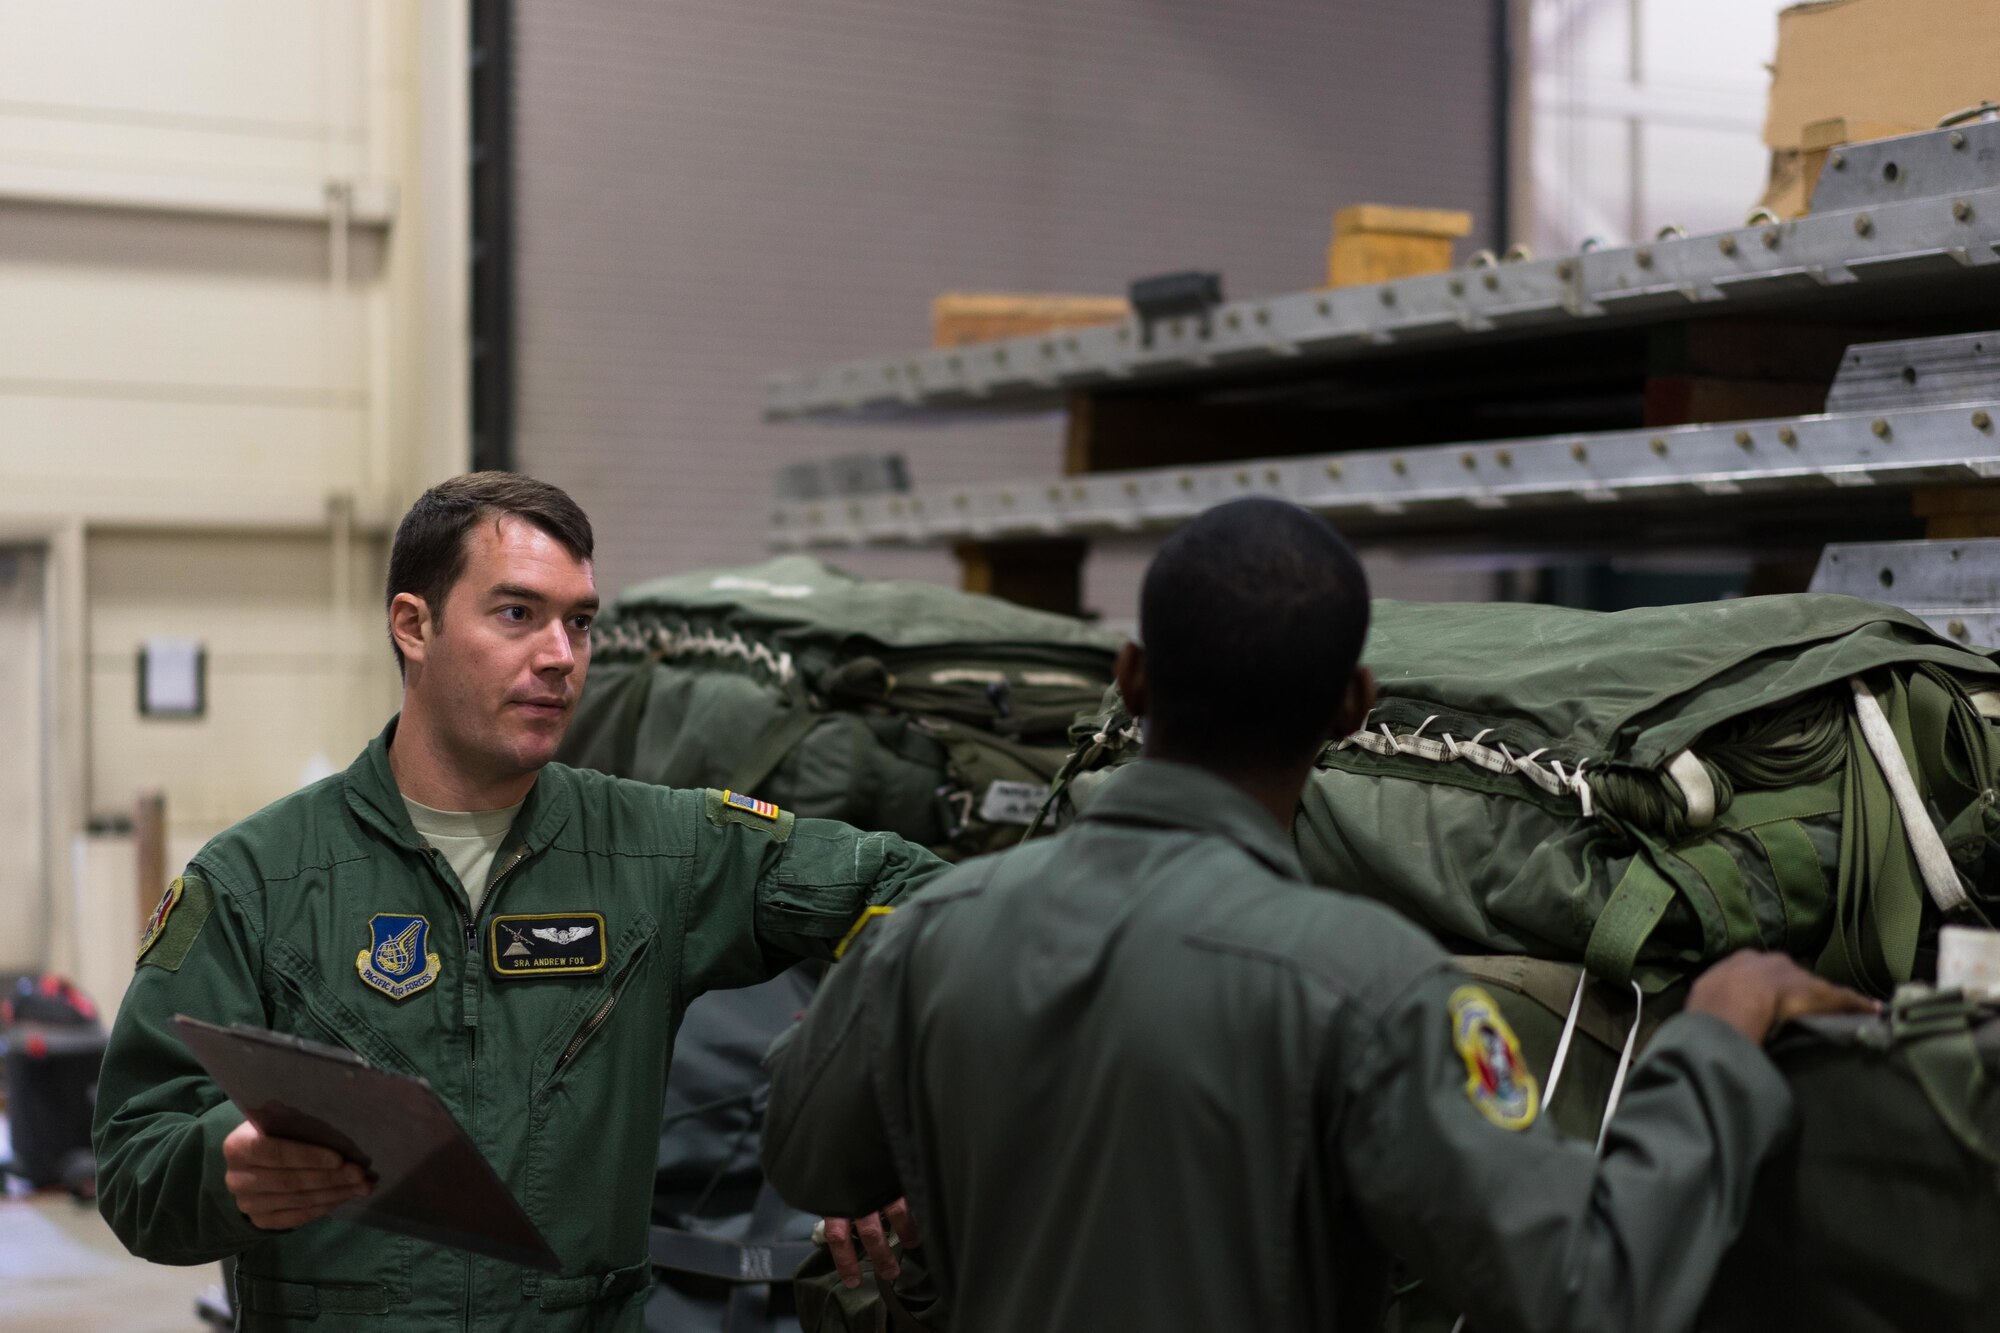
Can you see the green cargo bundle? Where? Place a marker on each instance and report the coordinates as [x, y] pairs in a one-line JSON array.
[[1647, 790], [898, 706], [904, 707]]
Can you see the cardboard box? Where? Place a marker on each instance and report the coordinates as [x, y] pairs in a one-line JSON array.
[[1881, 62], [1379, 243], [958, 318]]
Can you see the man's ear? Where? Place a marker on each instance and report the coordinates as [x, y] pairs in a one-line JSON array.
[[1130, 673], [1355, 705], [410, 625]]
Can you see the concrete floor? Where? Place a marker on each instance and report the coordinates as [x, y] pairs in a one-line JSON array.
[[62, 1271]]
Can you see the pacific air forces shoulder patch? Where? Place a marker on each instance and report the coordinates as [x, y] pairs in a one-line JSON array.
[[171, 930], [1497, 1081], [398, 961]]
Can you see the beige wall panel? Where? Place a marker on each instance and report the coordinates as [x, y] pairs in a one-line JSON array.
[[154, 455], [191, 84], [23, 759], [292, 686], [96, 298]]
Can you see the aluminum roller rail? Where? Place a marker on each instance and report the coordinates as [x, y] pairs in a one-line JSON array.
[[1912, 445]]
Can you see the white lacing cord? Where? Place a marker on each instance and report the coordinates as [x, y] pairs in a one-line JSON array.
[[1933, 861], [1562, 1056], [1551, 777], [671, 641]]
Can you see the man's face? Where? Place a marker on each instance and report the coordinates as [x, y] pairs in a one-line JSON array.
[[502, 668]]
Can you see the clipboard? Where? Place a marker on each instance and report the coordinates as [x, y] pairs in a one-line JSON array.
[[430, 1180]]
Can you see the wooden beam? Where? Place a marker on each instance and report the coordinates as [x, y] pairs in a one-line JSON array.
[[1044, 575]]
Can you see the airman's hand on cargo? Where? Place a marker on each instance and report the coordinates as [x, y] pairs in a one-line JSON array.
[[1756, 993], [282, 1183], [873, 1232]]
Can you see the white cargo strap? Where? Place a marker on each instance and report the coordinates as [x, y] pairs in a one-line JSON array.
[[1697, 788], [1933, 861], [1624, 1065], [1562, 1043]]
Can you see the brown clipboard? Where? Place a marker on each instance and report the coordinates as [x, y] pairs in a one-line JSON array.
[[430, 1180]]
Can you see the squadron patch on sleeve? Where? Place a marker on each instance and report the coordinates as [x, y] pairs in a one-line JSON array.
[[171, 930], [398, 961], [874, 913], [1497, 1081]]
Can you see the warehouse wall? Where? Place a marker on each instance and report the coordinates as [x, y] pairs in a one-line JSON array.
[[713, 189], [232, 345]]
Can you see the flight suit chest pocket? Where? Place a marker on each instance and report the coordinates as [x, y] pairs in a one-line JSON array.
[[304, 1005], [583, 1025]]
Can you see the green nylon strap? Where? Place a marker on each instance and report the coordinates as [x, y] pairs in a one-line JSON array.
[[1795, 866], [631, 711], [1718, 871], [1635, 907], [1935, 1039], [772, 747]]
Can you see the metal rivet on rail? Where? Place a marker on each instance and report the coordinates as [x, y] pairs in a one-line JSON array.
[[1077, 492], [1643, 257], [1880, 425], [1787, 436], [1187, 482], [1400, 468], [1864, 225], [1982, 420], [1743, 439], [1505, 458], [1564, 270], [1961, 209], [1660, 446], [1243, 477], [1333, 471], [1579, 453], [1727, 245], [1132, 488], [1958, 138], [1388, 296], [1771, 238], [1325, 309], [1007, 499], [1468, 460]]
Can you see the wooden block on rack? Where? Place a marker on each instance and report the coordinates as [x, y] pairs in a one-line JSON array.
[[1954, 513], [1042, 575], [1378, 243], [958, 318]]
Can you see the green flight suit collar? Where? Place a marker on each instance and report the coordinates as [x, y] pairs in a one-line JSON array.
[[376, 800], [1169, 795]]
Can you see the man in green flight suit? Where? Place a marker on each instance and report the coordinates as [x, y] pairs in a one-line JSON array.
[[1142, 1076], [454, 906]]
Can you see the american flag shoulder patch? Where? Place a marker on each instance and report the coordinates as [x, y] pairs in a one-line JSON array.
[[738, 801]]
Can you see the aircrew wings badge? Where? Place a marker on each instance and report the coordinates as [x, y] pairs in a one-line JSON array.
[[1497, 1081], [736, 800], [397, 961]]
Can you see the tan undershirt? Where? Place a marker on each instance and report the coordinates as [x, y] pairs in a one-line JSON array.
[[469, 839]]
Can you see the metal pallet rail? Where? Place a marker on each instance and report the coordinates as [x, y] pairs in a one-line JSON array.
[[1929, 444], [1890, 211]]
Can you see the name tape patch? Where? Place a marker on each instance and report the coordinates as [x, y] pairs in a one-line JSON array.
[[547, 944]]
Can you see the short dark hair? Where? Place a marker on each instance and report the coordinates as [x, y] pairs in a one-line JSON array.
[[429, 552], [1252, 617]]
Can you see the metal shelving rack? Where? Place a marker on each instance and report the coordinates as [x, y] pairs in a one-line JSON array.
[[1903, 243]]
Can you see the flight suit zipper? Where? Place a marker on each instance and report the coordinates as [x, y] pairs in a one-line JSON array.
[[602, 1012]]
